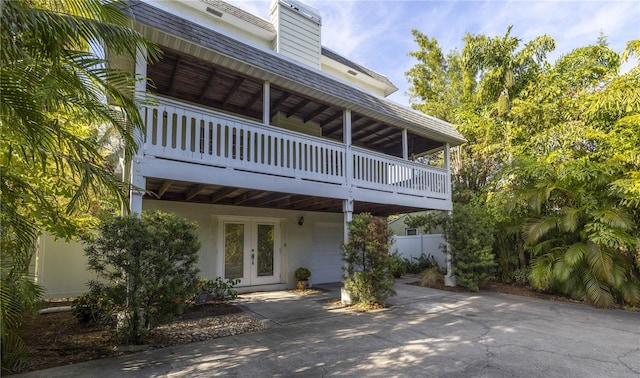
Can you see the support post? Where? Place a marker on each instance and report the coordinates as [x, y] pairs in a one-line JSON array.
[[449, 279], [346, 139], [347, 209], [131, 174], [266, 103], [405, 144]]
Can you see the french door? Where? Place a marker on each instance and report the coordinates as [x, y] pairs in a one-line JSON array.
[[251, 251]]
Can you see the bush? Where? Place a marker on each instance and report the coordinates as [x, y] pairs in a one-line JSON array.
[[219, 290], [366, 255], [156, 257], [470, 237], [396, 265], [302, 274], [521, 276], [431, 277], [419, 264], [100, 304]]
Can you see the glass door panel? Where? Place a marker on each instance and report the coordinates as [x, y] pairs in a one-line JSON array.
[[234, 250], [265, 263]]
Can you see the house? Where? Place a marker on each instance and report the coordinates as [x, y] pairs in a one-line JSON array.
[[271, 142]]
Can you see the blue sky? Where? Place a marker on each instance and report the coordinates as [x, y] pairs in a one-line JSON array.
[[377, 34]]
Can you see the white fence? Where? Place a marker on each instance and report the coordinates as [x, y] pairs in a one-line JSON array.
[[414, 245]]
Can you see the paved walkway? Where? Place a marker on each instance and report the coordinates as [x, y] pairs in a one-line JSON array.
[[426, 333]]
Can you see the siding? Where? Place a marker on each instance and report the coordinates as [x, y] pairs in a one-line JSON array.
[[298, 37]]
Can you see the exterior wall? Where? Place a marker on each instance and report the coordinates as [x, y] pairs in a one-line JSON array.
[[413, 246], [61, 267], [314, 245], [294, 123], [194, 11], [333, 72]]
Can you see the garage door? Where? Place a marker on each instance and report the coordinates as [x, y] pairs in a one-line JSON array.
[[326, 260]]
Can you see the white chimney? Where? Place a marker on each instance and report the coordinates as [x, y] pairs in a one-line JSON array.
[[298, 31]]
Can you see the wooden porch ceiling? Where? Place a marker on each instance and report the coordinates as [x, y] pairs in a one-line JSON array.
[[171, 190], [196, 81]]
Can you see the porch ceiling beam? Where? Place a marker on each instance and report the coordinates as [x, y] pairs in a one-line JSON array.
[[277, 103], [270, 198], [314, 113], [252, 100], [331, 119], [166, 184], [365, 128], [320, 204], [174, 74], [220, 194], [288, 200], [195, 190], [378, 133], [334, 129], [248, 196], [212, 76], [296, 108], [232, 91]]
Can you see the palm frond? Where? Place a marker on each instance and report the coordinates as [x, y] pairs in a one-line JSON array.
[[597, 292], [575, 254], [536, 229]]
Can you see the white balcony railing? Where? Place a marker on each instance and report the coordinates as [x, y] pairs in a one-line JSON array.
[[185, 132]]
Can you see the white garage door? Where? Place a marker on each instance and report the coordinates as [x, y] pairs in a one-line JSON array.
[[326, 261]]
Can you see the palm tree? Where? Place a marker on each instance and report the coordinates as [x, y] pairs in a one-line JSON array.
[[583, 240], [53, 89]]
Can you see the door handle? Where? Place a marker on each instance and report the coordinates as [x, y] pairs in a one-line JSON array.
[[252, 257]]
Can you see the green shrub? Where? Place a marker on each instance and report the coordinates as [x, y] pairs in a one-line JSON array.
[[100, 304], [218, 289], [431, 277], [521, 276], [419, 264], [302, 274], [470, 237], [366, 257], [396, 265], [156, 257]]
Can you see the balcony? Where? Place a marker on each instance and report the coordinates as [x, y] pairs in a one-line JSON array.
[[180, 132]]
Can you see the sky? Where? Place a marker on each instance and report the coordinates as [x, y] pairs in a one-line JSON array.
[[377, 33]]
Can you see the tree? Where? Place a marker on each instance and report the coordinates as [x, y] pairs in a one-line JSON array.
[[367, 260], [156, 257], [579, 174], [51, 81], [473, 90]]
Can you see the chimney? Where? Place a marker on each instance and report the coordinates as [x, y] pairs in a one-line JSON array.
[[298, 31]]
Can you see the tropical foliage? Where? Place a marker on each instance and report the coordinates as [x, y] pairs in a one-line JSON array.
[[54, 117], [367, 260], [552, 156], [152, 260]]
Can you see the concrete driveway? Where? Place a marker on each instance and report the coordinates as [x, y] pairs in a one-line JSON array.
[[426, 333]]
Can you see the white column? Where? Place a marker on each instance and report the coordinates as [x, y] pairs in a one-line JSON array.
[[266, 103], [135, 179], [346, 139], [347, 209], [405, 144], [447, 165]]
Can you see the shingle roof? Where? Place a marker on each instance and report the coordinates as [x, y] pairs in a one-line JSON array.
[[331, 90]]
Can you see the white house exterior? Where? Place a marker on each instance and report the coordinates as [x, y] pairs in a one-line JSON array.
[[271, 142]]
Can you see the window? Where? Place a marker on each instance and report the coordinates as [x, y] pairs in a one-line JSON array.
[[410, 231]]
